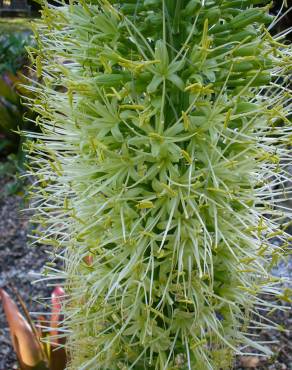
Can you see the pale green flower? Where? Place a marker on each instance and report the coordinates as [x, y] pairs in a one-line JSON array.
[[164, 147]]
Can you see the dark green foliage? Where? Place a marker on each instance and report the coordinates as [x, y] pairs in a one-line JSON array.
[[12, 51]]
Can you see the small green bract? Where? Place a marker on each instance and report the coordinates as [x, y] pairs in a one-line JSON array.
[[163, 153]]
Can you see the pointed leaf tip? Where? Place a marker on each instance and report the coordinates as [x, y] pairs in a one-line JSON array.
[[58, 353], [25, 344]]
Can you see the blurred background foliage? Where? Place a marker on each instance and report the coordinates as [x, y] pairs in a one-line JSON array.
[[15, 36]]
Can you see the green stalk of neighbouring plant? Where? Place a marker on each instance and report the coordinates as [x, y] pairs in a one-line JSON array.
[[163, 153]]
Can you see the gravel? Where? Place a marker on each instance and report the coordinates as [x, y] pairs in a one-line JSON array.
[[18, 265]]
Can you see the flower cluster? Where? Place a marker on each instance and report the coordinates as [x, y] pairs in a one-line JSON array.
[[164, 146]]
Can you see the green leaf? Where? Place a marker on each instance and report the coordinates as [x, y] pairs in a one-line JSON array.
[[156, 81], [244, 107], [177, 81], [161, 54], [117, 133]]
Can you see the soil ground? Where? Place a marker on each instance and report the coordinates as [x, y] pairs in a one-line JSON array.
[[19, 265]]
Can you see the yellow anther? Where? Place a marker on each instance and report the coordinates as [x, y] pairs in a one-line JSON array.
[[145, 204], [227, 118], [169, 190], [200, 89], [155, 136], [132, 106], [186, 120], [186, 156]]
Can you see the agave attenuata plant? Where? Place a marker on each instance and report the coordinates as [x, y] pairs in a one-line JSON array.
[[163, 153]]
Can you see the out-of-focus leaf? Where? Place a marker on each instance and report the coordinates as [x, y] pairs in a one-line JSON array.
[[7, 91], [17, 81], [12, 49], [25, 344], [6, 120], [13, 187], [4, 143]]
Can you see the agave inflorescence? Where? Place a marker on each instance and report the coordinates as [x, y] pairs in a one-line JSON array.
[[164, 141]]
